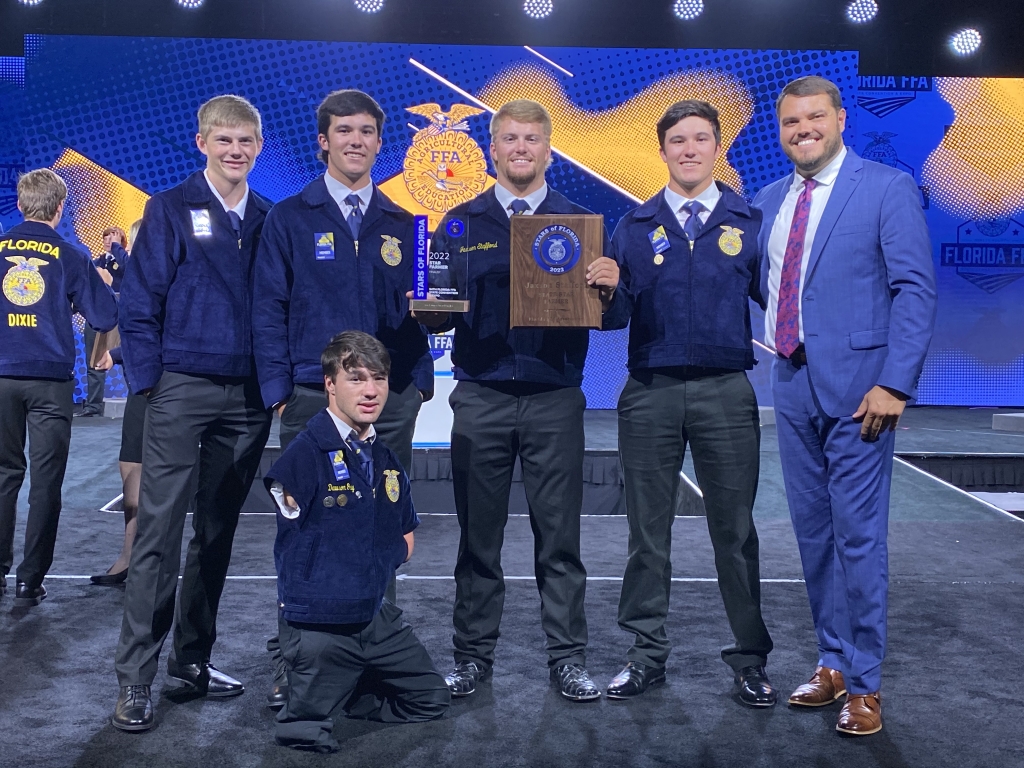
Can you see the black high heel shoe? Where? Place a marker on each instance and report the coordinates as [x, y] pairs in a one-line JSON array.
[[110, 579]]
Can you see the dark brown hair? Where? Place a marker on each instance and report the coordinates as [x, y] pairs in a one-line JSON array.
[[688, 108], [354, 349]]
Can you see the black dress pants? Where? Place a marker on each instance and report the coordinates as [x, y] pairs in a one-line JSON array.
[[543, 426], [221, 426], [43, 408], [717, 416], [376, 671]]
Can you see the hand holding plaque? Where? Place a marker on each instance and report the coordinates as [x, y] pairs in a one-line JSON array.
[[549, 260]]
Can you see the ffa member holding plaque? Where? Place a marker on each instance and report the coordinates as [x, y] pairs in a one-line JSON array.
[[186, 339], [343, 496], [44, 275], [689, 262], [518, 394], [338, 256]]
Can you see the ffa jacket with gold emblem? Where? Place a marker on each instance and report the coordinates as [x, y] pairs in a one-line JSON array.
[[336, 554], [187, 291], [44, 274], [687, 306], [312, 283]]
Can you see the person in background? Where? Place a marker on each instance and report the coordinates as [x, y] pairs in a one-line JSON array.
[[130, 458], [110, 264], [45, 275]]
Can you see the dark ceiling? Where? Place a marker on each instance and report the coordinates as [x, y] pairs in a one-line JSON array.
[[909, 37]]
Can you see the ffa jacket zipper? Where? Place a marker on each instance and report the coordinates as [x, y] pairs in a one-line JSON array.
[[689, 300]]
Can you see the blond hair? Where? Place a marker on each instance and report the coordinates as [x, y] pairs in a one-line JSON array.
[[229, 111], [40, 193], [522, 111]]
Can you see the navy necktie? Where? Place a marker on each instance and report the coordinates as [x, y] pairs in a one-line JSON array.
[[236, 224], [692, 226], [364, 452], [519, 206], [355, 219]]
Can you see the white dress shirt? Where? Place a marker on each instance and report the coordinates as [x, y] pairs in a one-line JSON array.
[[347, 433], [240, 208], [708, 198], [779, 237], [534, 199], [340, 191]]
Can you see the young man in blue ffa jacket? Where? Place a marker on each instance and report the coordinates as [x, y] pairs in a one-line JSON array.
[[850, 286], [338, 256], [345, 522], [45, 275], [689, 266], [186, 338], [518, 394]]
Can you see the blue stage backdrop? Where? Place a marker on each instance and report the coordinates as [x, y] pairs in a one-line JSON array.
[[116, 117]]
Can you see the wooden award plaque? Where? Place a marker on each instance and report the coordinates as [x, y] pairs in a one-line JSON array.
[[103, 344], [549, 259]]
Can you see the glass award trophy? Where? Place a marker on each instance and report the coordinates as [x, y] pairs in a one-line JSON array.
[[440, 273]]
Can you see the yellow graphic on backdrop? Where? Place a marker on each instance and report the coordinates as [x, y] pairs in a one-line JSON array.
[[100, 199], [620, 143], [976, 170]]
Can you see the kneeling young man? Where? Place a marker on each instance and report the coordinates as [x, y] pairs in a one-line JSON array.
[[345, 524]]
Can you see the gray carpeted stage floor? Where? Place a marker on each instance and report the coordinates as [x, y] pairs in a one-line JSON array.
[[952, 690]]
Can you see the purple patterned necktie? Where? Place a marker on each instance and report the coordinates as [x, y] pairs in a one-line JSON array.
[[787, 318]]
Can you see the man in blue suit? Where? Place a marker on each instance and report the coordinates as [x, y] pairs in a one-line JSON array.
[[848, 273]]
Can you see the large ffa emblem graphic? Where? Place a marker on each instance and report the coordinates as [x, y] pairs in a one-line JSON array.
[[23, 285], [444, 166], [881, 149], [556, 249], [391, 484]]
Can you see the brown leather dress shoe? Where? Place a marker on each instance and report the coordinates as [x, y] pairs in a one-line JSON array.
[[825, 686], [861, 714]]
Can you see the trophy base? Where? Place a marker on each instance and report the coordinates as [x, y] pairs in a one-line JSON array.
[[438, 305]]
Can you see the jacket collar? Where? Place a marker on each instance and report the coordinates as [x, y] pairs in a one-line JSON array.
[[32, 229], [324, 432], [487, 203], [196, 191], [730, 201], [316, 195]]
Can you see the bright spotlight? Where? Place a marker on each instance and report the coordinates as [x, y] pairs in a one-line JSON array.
[[538, 9], [369, 6], [861, 11], [190, 4], [688, 9], [30, 2], [965, 42]]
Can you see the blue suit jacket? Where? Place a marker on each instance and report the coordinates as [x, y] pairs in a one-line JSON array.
[[869, 289]]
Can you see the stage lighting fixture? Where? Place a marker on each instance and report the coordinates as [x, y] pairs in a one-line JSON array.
[[965, 42], [30, 2], [369, 6], [538, 9], [190, 4], [861, 11], [688, 9]]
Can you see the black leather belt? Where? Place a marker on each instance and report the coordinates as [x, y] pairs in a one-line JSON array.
[[799, 356]]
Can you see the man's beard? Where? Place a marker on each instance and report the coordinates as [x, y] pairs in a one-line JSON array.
[[522, 178], [830, 150]]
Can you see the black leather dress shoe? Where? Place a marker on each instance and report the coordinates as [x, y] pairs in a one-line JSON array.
[[574, 683], [204, 679], [756, 690], [634, 679], [26, 597], [110, 579], [134, 710], [279, 692], [462, 680]]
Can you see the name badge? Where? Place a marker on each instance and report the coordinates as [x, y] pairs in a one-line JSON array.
[[323, 245], [201, 226], [659, 240], [339, 466]]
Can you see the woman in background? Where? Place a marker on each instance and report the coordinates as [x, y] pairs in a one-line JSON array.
[[129, 460]]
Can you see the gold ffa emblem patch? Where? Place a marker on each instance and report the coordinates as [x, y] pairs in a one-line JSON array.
[[390, 252], [731, 241], [444, 166], [23, 285], [391, 483]]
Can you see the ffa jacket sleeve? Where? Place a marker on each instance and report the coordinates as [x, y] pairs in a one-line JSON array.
[[906, 249], [295, 471], [410, 520], [272, 286], [621, 308], [147, 279], [87, 291]]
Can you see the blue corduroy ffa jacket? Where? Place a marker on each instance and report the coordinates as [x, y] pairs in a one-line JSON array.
[[311, 283], [687, 307], [186, 298], [44, 275], [485, 348], [336, 556]]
